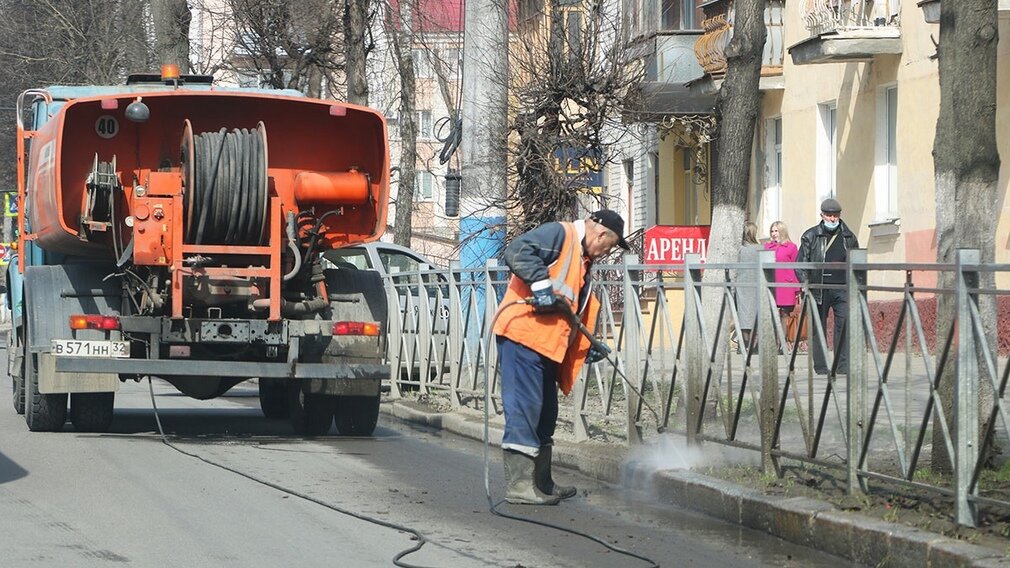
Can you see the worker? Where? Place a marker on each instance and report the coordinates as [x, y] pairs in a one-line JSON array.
[[540, 349]]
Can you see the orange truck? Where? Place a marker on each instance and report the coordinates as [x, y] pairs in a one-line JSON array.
[[174, 229]]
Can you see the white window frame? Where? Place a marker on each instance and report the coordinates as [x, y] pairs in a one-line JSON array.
[[422, 65], [421, 178], [885, 171], [827, 151], [424, 125], [773, 186]]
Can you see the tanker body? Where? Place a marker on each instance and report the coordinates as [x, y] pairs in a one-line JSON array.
[[170, 228]]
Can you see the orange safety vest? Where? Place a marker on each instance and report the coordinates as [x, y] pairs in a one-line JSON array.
[[551, 334]]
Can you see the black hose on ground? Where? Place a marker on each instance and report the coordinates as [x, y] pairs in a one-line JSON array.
[[492, 505], [397, 560]]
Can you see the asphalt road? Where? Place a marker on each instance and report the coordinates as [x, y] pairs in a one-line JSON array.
[[125, 498]]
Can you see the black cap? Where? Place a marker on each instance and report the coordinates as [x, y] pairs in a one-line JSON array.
[[614, 222], [831, 205]]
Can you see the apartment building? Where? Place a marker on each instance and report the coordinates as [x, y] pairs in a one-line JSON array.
[[850, 97]]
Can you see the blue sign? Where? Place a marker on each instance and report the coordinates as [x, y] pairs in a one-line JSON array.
[[10, 204], [580, 168]]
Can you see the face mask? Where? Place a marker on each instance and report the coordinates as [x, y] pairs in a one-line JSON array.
[[831, 225]]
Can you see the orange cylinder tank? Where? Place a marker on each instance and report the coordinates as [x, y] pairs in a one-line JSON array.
[[332, 188]]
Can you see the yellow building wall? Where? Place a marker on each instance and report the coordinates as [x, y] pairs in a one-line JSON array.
[[857, 90], [680, 201]]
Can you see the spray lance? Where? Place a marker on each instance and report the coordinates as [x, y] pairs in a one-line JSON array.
[[604, 349]]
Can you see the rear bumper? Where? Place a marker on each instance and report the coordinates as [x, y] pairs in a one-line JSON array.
[[245, 369]]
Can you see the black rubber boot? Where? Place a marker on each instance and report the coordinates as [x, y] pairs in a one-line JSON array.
[[522, 489], [542, 474]]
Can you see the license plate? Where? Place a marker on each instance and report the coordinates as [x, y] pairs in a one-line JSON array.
[[84, 348]]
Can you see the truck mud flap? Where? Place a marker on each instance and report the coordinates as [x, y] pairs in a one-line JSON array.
[[52, 381], [366, 372]]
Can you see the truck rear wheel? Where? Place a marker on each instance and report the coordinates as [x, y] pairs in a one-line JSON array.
[[357, 415], [273, 398], [16, 368], [92, 411], [310, 414], [43, 412]]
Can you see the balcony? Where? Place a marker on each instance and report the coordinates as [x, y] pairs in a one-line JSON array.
[[718, 30], [844, 31], [663, 37]]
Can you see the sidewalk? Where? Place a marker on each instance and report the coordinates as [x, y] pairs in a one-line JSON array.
[[808, 522]]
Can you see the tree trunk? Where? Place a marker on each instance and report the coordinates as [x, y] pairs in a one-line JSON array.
[[966, 164], [403, 56], [171, 32], [355, 50], [736, 110]]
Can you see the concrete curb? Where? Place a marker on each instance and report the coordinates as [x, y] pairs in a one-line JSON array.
[[807, 522]]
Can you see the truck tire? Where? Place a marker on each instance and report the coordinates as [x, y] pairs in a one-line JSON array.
[[16, 368], [92, 411], [357, 415], [310, 414], [43, 412], [273, 398]]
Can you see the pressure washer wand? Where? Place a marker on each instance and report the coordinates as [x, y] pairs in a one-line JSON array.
[[602, 347]]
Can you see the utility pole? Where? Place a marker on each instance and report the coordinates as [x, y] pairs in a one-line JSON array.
[[483, 164]]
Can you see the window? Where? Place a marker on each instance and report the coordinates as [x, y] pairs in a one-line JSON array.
[[827, 151], [574, 33], [398, 260], [423, 183], [885, 171], [347, 258], [629, 190], [424, 124], [678, 15], [422, 66], [773, 190]]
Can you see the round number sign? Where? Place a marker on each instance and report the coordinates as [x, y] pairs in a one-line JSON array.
[[107, 126]]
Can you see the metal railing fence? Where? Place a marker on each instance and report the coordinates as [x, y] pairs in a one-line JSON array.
[[682, 346]]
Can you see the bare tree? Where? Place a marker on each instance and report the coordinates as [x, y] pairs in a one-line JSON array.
[[966, 168], [736, 111], [569, 82], [50, 42], [358, 43], [288, 45], [171, 32], [399, 27]]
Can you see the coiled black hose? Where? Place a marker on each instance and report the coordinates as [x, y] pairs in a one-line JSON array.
[[229, 188]]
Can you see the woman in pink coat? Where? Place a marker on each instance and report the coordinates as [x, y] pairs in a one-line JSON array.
[[785, 251]]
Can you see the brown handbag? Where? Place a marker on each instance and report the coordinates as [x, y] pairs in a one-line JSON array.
[[793, 328]]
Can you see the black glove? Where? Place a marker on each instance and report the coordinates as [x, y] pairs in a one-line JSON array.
[[545, 300], [596, 355]]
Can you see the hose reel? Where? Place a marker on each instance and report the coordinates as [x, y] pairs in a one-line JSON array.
[[226, 187]]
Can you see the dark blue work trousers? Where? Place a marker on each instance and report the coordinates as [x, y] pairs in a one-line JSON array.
[[529, 392]]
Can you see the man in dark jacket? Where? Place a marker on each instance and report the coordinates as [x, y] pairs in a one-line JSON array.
[[828, 241]]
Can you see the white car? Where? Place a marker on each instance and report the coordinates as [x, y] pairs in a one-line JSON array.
[[388, 258]]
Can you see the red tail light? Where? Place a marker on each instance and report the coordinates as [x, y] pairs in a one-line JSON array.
[[355, 328], [104, 323]]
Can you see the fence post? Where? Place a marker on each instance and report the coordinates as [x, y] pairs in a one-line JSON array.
[[966, 389], [423, 327], [393, 335], [768, 352], [695, 346], [855, 394], [455, 334], [490, 346], [632, 350]]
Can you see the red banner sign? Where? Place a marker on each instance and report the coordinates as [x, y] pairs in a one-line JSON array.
[[669, 244]]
